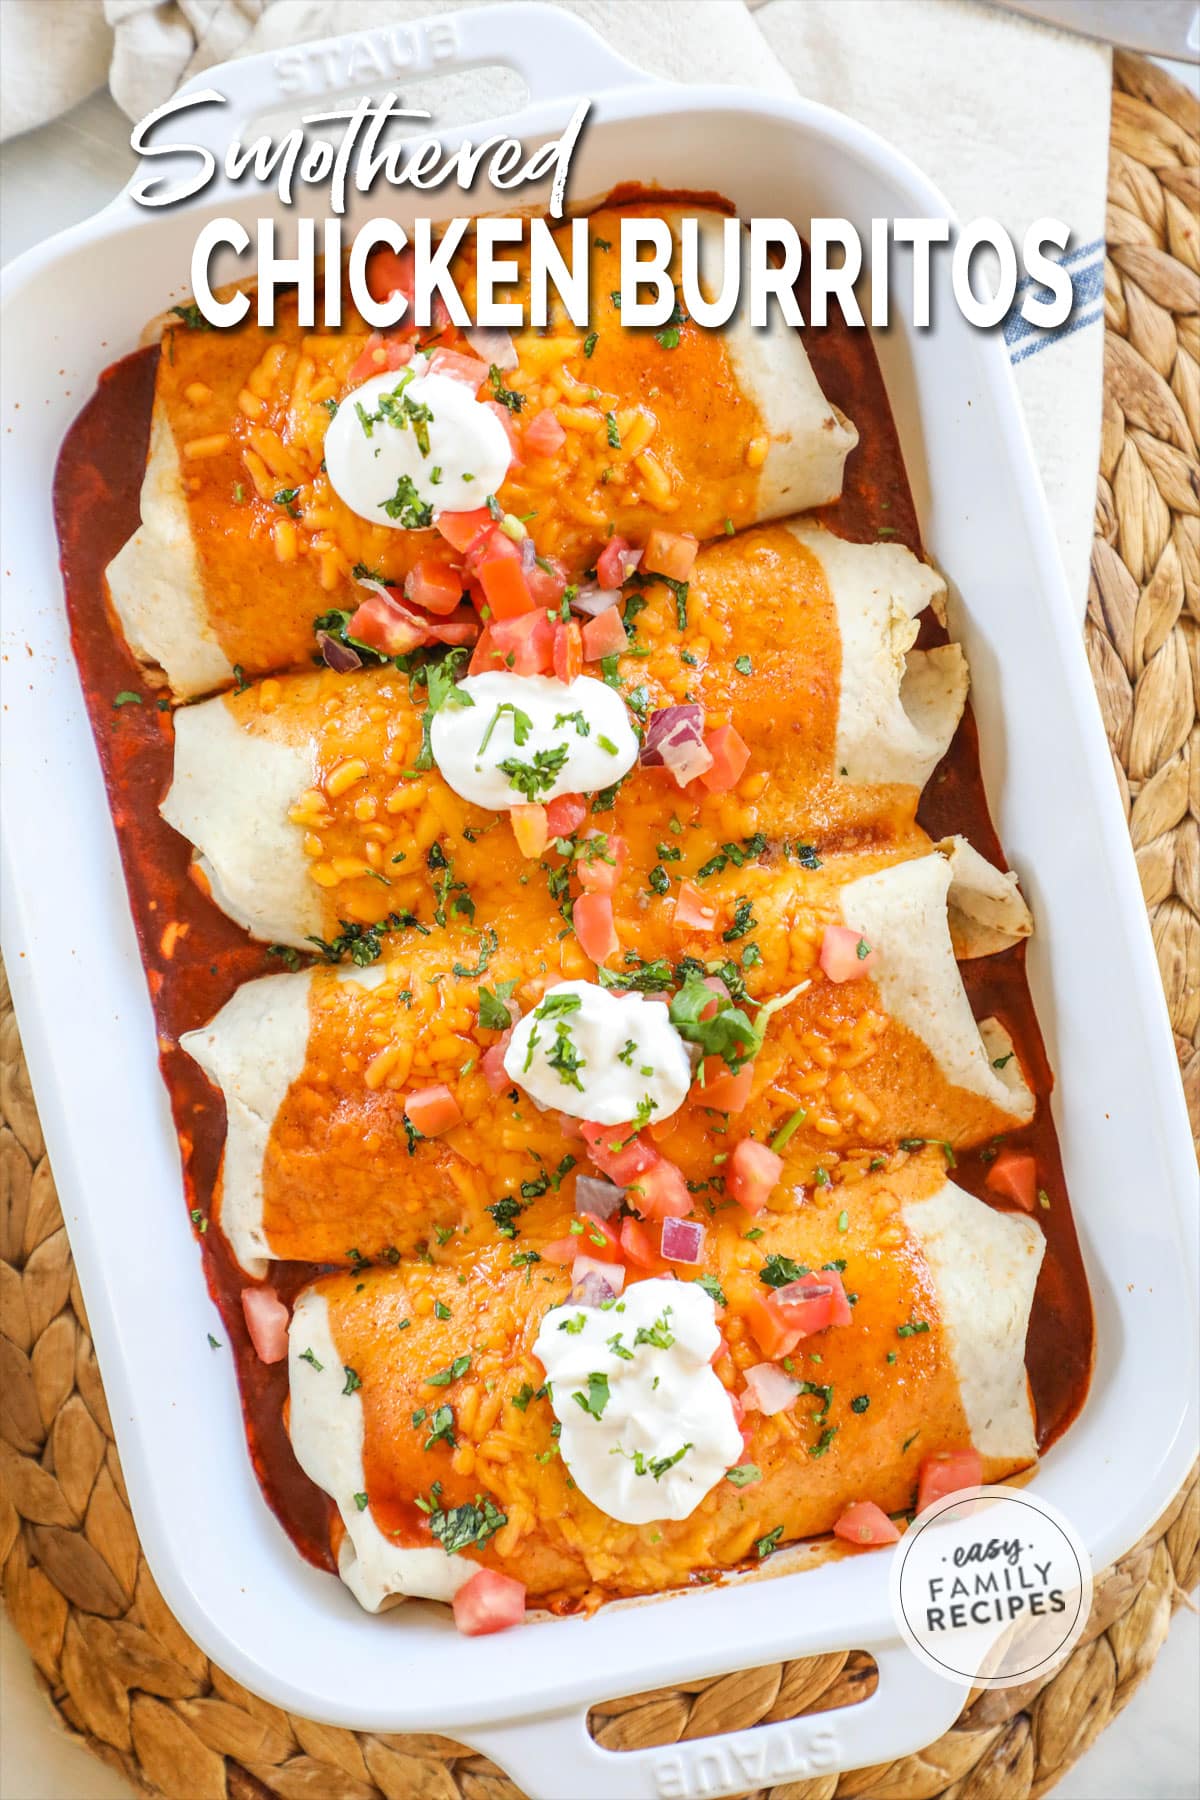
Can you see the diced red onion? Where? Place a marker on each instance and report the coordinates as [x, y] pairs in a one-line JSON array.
[[493, 344], [682, 1240], [675, 741], [528, 553], [339, 657], [769, 1389], [594, 600], [629, 562], [600, 1198], [593, 1282]]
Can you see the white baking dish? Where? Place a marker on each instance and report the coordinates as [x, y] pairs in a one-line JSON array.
[[222, 1562]]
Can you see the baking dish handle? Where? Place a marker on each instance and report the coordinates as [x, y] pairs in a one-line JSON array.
[[554, 53], [555, 1757]]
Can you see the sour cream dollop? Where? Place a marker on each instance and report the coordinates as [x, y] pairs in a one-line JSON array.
[[414, 441], [610, 1058], [558, 737], [647, 1428]]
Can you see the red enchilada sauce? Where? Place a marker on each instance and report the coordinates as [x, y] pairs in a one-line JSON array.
[[195, 957]]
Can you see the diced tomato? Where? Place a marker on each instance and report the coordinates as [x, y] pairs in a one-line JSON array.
[[843, 1313], [610, 564], [462, 627], [380, 356], [661, 1192], [546, 584], [692, 911], [588, 1242], [503, 581], [488, 1602], [529, 829], [946, 1472], [775, 1335], [637, 1245], [730, 754], [461, 529], [434, 583], [388, 272], [1014, 1175], [597, 875], [751, 1174], [593, 918], [723, 1090], [467, 369], [670, 553], [780, 1319], [867, 1525], [617, 1154], [433, 1110], [719, 992], [485, 655], [568, 650], [845, 953], [604, 635], [528, 641], [562, 1250], [821, 1296], [543, 435], [565, 814], [510, 430], [492, 1065], [386, 624], [267, 1323]]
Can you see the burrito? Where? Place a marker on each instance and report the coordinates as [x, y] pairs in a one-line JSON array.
[[263, 507], [621, 1446], [313, 798], [330, 1075]]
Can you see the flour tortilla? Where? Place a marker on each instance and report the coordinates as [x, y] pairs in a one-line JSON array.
[[154, 580], [898, 708], [326, 1429], [229, 796], [810, 438], [985, 1267], [987, 912], [253, 1050], [903, 913]]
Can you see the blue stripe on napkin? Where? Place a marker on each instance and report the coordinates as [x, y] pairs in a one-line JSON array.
[[1086, 267]]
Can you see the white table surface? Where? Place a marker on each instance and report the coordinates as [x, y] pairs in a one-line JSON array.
[[49, 179]]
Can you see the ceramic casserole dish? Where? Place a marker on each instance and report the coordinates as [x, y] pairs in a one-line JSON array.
[[224, 1566]]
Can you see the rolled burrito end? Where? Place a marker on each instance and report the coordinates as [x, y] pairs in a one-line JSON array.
[[985, 1264], [986, 909], [903, 912], [154, 580], [326, 1430], [253, 1050], [898, 708], [233, 787]]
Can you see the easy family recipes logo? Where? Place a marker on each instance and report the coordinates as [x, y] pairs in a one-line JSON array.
[[991, 1587], [317, 167]]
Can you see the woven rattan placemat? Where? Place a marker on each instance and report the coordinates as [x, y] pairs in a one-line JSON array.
[[126, 1677]]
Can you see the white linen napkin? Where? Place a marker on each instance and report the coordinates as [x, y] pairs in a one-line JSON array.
[[1008, 118]]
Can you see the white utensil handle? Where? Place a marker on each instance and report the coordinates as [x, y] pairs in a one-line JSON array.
[[555, 54], [555, 1757]]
